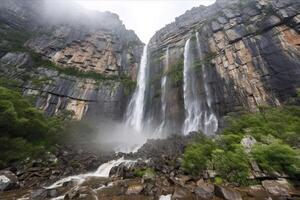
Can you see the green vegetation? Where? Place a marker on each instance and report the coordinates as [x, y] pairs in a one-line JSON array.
[[207, 61], [14, 39], [25, 131], [277, 157], [277, 131], [176, 73], [197, 155], [142, 172]]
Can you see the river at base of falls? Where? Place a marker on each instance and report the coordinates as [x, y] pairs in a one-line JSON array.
[[102, 171]]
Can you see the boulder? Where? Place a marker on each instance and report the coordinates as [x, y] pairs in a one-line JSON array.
[[247, 142], [8, 180], [204, 190], [182, 194], [257, 192], [227, 193], [135, 189], [277, 187]]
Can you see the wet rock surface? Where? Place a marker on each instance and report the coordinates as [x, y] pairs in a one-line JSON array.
[[126, 182], [251, 56], [49, 47]]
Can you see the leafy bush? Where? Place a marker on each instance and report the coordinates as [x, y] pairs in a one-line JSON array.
[[282, 123], [277, 131], [231, 165], [176, 73], [24, 130], [197, 156], [277, 157], [144, 172]]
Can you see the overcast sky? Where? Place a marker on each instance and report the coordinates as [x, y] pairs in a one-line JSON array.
[[145, 17]]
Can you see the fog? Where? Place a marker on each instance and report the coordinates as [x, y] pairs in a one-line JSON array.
[[145, 17], [108, 135]]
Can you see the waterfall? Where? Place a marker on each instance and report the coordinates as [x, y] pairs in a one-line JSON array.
[[102, 171], [191, 97], [210, 119], [135, 109], [161, 127], [197, 104]]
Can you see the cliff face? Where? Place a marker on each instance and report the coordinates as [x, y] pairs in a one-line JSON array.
[[68, 58], [250, 50]]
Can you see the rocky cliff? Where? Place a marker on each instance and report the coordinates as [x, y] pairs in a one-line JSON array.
[[68, 58], [250, 50]]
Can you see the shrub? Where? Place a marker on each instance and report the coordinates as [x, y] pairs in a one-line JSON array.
[[197, 156], [149, 172], [176, 73], [277, 157], [231, 165], [282, 123], [24, 130]]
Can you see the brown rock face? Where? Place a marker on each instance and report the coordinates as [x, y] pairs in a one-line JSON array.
[[93, 57], [250, 49]]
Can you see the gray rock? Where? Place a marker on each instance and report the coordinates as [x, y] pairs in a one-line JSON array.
[[215, 26], [134, 189], [248, 142], [182, 194], [204, 190], [236, 33], [8, 180], [227, 193], [277, 187]]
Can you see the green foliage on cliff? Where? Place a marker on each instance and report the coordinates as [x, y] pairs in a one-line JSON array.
[[144, 172], [232, 165], [24, 130], [277, 157], [176, 73], [197, 155], [277, 131], [12, 39], [207, 61]]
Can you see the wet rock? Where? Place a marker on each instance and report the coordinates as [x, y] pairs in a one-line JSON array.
[[134, 189], [8, 180], [227, 193]]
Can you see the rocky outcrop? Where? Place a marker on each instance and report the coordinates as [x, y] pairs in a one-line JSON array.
[[8, 181], [250, 50], [84, 64]]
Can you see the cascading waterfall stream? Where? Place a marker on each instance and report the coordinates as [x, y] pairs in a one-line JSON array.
[[161, 127], [134, 119], [102, 171], [135, 110], [210, 119], [199, 114], [191, 98]]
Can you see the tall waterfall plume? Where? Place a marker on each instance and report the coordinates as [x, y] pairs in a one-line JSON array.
[[164, 94], [197, 95], [135, 109], [210, 119]]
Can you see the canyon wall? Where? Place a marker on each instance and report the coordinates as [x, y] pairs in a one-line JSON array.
[[69, 59], [250, 50]]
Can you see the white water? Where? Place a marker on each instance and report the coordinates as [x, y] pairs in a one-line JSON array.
[[161, 127], [191, 102], [135, 109], [210, 119], [199, 113], [102, 171]]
